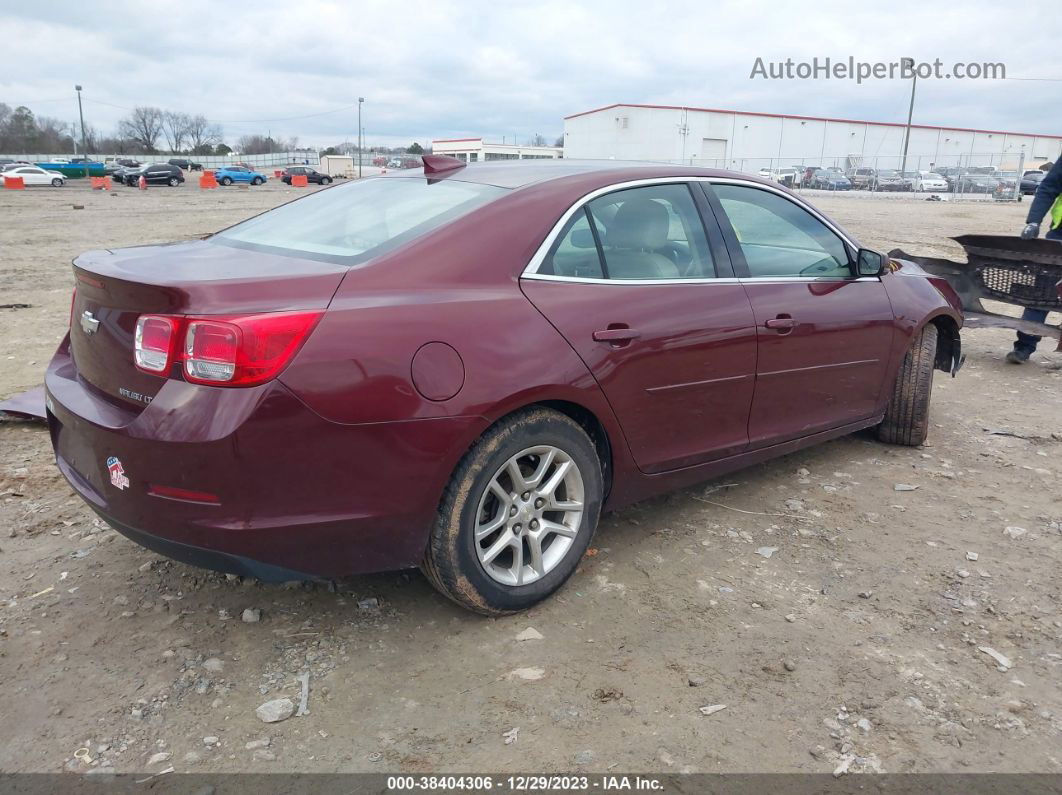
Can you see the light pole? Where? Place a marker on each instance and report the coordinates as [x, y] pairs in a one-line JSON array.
[[81, 115], [360, 100], [910, 113]]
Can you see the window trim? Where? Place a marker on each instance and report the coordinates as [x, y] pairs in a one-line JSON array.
[[531, 269]]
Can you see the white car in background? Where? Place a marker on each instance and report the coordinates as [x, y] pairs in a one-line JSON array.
[[34, 175], [922, 181]]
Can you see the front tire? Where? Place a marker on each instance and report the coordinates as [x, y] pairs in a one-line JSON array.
[[257, 181], [326, 180], [57, 183], [907, 416], [517, 515]]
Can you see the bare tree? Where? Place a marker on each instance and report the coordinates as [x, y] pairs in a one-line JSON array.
[[175, 127], [202, 135], [143, 126]]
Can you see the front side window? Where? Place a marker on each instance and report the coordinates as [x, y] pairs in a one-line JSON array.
[[779, 238], [355, 221]]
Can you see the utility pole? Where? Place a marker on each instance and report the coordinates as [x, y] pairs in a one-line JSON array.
[[910, 114], [360, 100], [81, 114]]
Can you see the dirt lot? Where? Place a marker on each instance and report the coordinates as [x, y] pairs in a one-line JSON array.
[[860, 641]]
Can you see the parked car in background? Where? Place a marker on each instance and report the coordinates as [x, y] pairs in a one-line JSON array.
[[1030, 181], [974, 183], [787, 176], [860, 177], [923, 181], [311, 174], [343, 384], [154, 174], [35, 175], [231, 174], [11, 164], [394, 162], [828, 179], [888, 179], [185, 165]]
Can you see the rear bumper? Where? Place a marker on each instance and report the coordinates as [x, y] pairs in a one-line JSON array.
[[296, 495]]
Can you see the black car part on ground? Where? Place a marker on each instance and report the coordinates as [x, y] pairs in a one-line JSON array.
[[1027, 273]]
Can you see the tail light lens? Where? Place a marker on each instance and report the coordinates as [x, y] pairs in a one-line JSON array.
[[154, 342], [244, 350]]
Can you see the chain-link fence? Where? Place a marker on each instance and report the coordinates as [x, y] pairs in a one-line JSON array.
[[997, 175]]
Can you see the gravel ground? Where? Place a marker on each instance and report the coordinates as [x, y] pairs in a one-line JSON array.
[[844, 622]]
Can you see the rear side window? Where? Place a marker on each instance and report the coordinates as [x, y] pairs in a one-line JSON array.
[[652, 233], [575, 252], [353, 222]]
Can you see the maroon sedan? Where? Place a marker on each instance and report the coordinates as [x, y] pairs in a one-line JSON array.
[[460, 368]]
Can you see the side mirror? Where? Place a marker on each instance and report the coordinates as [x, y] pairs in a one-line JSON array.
[[870, 263]]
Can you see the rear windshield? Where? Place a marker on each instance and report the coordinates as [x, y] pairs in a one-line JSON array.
[[352, 222]]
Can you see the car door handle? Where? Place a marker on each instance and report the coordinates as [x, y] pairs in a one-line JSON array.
[[782, 323], [616, 336]]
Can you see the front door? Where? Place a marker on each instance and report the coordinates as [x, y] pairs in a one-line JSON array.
[[824, 333], [633, 284]]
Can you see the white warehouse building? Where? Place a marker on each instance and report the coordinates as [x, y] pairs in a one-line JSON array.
[[473, 150], [746, 141]]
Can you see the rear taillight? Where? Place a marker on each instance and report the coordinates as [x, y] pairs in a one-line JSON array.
[[223, 351], [153, 342]]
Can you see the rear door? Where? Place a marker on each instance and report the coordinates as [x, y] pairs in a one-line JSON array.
[[824, 334], [648, 300]]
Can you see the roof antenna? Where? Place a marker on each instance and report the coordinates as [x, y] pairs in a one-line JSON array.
[[438, 164]]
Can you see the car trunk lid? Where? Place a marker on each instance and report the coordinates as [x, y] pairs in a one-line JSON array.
[[114, 288]]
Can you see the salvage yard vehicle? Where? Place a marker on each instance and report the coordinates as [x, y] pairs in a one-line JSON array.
[[184, 164], [239, 173], [311, 174], [922, 181], [35, 175], [888, 179], [154, 174], [460, 367], [829, 179]]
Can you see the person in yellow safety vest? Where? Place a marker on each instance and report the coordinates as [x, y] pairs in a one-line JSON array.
[[1046, 202]]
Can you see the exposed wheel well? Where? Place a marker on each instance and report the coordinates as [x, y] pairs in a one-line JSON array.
[[949, 345], [589, 423]]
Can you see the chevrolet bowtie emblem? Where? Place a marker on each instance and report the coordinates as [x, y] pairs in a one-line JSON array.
[[89, 324]]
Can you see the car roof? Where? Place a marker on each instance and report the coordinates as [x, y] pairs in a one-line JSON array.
[[514, 174]]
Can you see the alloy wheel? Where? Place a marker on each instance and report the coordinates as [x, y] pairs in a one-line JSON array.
[[529, 515]]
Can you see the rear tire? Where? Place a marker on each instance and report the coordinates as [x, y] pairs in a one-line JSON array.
[[461, 567], [907, 416], [226, 180], [174, 182]]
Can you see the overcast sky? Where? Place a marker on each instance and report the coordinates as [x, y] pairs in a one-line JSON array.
[[451, 68]]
